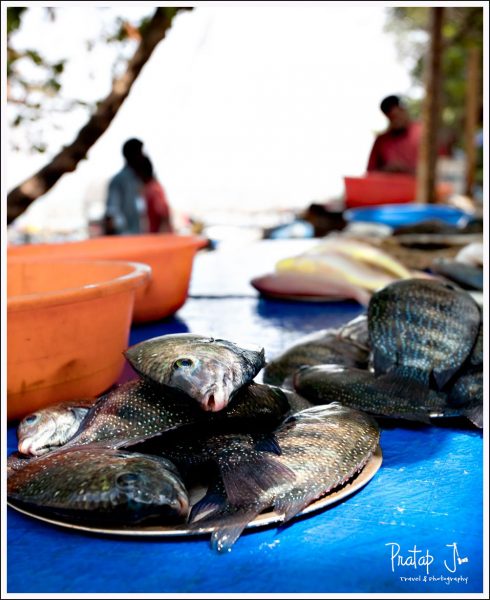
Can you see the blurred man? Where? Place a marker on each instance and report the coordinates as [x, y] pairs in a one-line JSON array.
[[125, 208], [396, 150]]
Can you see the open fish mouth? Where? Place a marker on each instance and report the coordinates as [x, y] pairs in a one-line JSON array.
[[214, 399], [29, 448]]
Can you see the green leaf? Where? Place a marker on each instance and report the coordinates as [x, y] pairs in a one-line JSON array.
[[14, 15], [35, 57]]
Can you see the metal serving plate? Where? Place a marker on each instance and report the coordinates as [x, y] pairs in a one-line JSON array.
[[264, 519]]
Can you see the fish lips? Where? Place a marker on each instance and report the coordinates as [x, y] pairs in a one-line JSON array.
[[215, 398], [211, 394], [37, 444]]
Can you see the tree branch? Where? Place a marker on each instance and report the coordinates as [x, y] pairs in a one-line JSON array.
[[69, 157]]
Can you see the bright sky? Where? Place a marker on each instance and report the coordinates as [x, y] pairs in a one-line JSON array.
[[240, 107]]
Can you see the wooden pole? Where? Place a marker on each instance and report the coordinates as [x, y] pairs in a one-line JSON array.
[[426, 168], [471, 124]]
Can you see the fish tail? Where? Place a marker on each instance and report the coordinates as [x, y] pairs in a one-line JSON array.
[[228, 524], [223, 538], [252, 474]]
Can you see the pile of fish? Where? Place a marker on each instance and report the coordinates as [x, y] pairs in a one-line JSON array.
[[339, 267], [195, 417], [417, 354], [194, 414]]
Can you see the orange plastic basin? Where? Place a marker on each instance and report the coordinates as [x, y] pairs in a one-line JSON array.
[[385, 188], [169, 256], [67, 326]]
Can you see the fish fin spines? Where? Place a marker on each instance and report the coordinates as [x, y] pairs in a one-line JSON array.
[[256, 473]]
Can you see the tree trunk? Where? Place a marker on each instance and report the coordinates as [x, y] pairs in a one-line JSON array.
[[472, 109], [68, 158], [426, 169]]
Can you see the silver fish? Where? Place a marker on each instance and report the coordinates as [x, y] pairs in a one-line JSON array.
[[52, 426], [208, 370]]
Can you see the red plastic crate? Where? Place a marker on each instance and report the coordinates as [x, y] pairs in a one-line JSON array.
[[386, 188], [379, 189]]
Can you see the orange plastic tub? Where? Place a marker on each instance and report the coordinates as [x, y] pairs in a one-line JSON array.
[[67, 326], [385, 188], [169, 256]]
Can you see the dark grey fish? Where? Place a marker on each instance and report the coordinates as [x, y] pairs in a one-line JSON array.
[[422, 329], [386, 395], [469, 277], [208, 370], [51, 427], [323, 447], [328, 346], [139, 409], [100, 485]]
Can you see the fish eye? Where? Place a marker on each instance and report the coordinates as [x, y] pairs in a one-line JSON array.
[[31, 419], [181, 363]]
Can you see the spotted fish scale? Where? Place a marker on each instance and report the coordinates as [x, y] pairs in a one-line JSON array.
[[419, 328]]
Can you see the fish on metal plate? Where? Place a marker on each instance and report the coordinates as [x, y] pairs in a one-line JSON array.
[[52, 426], [323, 446], [140, 409], [100, 485], [387, 395], [324, 347], [422, 329], [208, 370]]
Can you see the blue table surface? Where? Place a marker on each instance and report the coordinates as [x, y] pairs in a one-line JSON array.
[[426, 498]]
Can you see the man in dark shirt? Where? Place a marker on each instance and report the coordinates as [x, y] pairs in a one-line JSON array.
[[125, 208], [396, 150]]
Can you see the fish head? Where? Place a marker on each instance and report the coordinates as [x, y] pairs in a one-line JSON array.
[[152, 482], [206, 369], [35, 433], [40, 432]]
